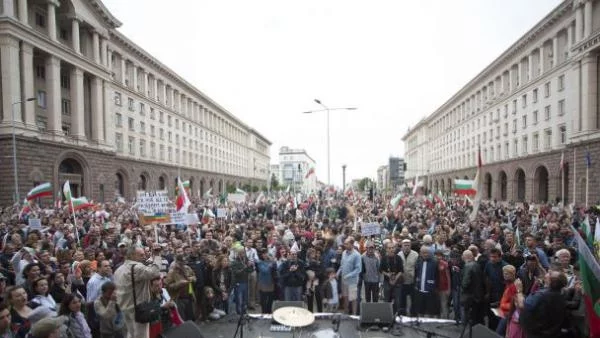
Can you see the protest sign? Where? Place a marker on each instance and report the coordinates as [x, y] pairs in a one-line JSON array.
[[370, 229], [221, 213], [35, 224], [153, 202], [236, 198]]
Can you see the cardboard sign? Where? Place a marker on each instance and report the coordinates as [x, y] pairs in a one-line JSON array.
[[221, 213], [236, 198], [152, 202], [370, 229], [178, 218], [35, 224], [192, 219]]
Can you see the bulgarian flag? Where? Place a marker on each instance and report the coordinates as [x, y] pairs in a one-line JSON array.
[[240, 191], [183, 202], [310, 172], [590, 276], [207, 215], [186, 186], [26, 209], [429, 201], [439, 200], [80, 203], [465, 187], [44, 189], [396, 201]]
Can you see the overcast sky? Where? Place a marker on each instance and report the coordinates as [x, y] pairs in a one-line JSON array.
[[267, 60]]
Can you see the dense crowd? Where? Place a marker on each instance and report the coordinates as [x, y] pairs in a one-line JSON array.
[[512, 267]]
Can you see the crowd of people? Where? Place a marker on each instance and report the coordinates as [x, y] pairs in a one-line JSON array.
[[512, 267]]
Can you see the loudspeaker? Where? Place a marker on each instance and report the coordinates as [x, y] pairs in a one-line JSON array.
[[376, 314], [281, 303], [481, 331], [186, 330]]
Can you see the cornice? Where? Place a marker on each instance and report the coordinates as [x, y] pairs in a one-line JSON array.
[[110, 19]]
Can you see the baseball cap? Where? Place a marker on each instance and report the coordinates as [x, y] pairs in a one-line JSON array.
[[45, 327]]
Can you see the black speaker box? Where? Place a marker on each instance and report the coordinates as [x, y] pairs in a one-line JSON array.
[[376, 314], [481, 331], [186, 330]]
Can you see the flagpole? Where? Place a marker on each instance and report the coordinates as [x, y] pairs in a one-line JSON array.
[[74, 220], [587, 180], [574, 175]]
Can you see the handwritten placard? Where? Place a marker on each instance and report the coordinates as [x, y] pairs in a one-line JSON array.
[[151, 202], [370, 229], [221, 213], [35, 224]]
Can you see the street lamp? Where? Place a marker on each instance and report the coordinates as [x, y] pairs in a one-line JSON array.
[[14, 146], [327, 109]]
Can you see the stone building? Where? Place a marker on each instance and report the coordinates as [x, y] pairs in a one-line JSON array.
[[107, 115], [534, 103]]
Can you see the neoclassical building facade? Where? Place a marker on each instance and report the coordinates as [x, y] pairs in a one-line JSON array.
[[534, 103], [88, 105]]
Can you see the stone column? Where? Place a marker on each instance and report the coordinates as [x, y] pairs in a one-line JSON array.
[[53, 110], [97, 112], [11, 78], [134, 73], [155, 84], [172, 98], [587, 19], [52, 4], [542, 59], [578, 23], [75, 35], [104, 51], [96, 46], [109, 64], [27, 80], [529, 67], [509, 86], [123, 70], [109, 135], [23, 12], [554, 51], [146, 89], [164, 92], [77, 111], [520, 73], [589, 92], [8, 7]]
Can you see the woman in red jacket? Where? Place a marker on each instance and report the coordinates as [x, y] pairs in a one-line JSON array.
[[443, 282], [509, 273]]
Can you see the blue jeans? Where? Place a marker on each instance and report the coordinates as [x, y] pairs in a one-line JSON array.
[[292, 293], [241, 298], [457, 309]]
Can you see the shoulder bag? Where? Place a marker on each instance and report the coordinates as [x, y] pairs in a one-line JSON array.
[[146, 312]]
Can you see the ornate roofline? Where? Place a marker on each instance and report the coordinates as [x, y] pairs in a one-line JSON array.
[[105, 13]]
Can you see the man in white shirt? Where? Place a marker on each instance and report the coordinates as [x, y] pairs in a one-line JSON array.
[[103, 275]]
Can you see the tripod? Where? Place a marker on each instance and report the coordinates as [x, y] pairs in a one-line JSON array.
[[240, 325]]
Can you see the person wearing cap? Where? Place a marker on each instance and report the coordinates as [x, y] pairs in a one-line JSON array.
[[531, 273], [49, 327]]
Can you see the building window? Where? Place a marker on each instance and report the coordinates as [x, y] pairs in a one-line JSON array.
[[161, 117], [561, 83], [506, 150], [563, 134], [514, 127], [40, 72], [64, 34], [119, 142], [177, 124], [547, 138], [177, 139], [66, 129], [505, 110], [118, 120], [535, 117], [547, 113], [535, 140], [41, 99], [65, 106], [516, 148], [131, 104], [162, 152], [152, 114], [514, 107], [131, 124], [118, 101], [170, 154], [65, 81], [524, 118], [142, 127], [170, 137], [131, 145], [547, 89], [169, 123], [162, 134], [535, 95], [561, 107], [40, 19], [142, 109], [524, 146], [152, 131], [524, 100], [152, 150], [142, 148]]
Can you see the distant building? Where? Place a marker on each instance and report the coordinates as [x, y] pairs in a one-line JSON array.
[[395, 172], [383, 178], [293, 166]]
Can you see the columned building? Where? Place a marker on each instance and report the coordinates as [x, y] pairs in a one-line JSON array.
[[107, 115], [536, 101], [293, 166]]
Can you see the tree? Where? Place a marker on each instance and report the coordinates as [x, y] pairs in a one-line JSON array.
[[230, 188], [274, 182], [254, 188], [365, 183]]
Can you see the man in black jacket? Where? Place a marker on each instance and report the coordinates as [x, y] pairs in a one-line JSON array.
[[472, 290], [293, 275]]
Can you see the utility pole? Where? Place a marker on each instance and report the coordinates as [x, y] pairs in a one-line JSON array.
[[343, 177]]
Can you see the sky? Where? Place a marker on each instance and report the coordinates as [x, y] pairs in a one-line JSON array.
[[265, 61]]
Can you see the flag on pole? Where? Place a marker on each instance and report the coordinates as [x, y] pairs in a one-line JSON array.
[[287, 190], [80, 203], [590, 276], [588, 159], [240, 191], [465, 187], [25, 210], [208, 193], [41, 190], [597, 238], [67, 191], [183, 202], [587, 231], [260, 198], [439, 200], [310, 172], [207, 215], [517, 234], [186, 186]]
